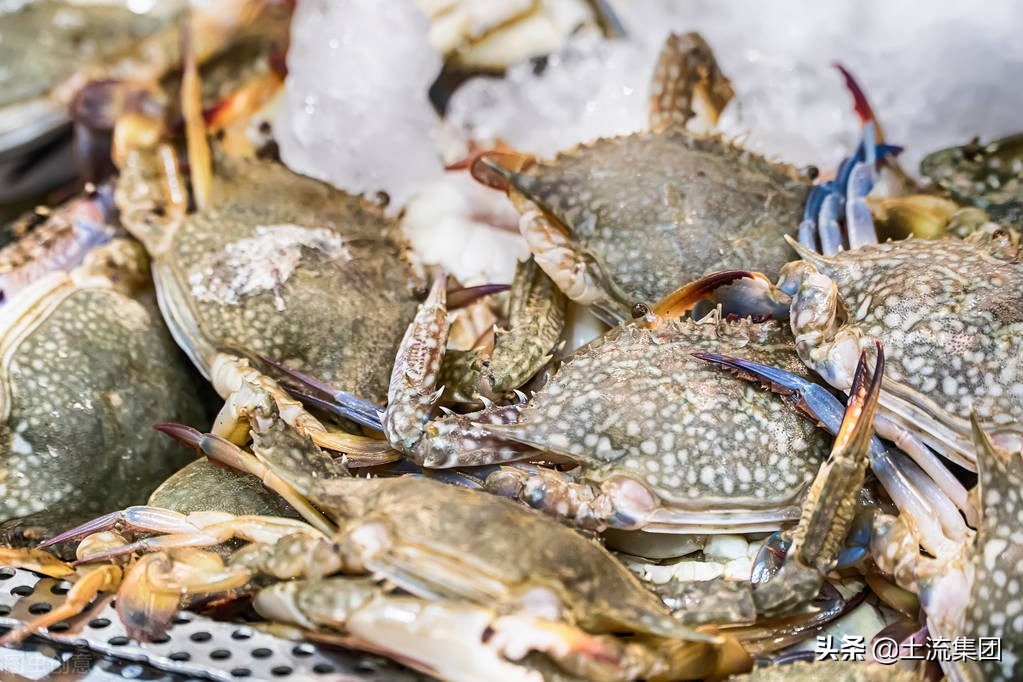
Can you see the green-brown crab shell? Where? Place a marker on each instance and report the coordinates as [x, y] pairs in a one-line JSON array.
[[87, 370], [988, 176], [715, 450], [287, 267], [53, 46], [657, 208]]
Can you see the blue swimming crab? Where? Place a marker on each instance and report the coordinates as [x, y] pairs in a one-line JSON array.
[[988, 176], [204, 492], [977, 591], [624, 220], [270, 263], [948, 310], [87, 368], [655, 433]]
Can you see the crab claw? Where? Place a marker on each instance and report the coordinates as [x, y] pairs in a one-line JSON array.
[[225, 452], [830, 506], [684, 299], [102, 579], [860, 102], [35, 560], [499, 169], [152, 588], [413, 390], [811, 398]]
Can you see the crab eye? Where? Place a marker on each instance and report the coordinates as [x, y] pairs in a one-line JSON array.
[[811, 172], [640, 310]]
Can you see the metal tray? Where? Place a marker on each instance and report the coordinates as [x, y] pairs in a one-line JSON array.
[[94, 646]]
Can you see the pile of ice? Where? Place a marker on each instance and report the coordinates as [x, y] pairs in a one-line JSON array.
[[590, 88], [936, 76], [357, 111]]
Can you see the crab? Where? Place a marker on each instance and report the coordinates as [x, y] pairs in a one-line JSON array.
[[966, 584], [535, 593], [87, 368], [623, 220], [54, 44], [654, 433], [947, 309], [270, 263], [59, 47], [987, 176], [206, 493], [974, 592]]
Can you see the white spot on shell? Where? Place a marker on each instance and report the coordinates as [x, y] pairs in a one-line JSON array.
[[261, 263]]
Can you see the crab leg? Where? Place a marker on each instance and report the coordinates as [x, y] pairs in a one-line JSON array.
[[535, 321], [151, 519], [36, 560], [226, 452], [925, 459], [81, 594], [91, 581], [622, 503], [199, 529], [340, 403], [936, 521], [413, 393], [686, 70], [829, 510], [845, 197]]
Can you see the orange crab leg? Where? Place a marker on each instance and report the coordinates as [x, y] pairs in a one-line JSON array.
[[81, 594]]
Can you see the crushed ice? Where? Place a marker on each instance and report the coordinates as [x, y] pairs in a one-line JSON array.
[[357, 111]]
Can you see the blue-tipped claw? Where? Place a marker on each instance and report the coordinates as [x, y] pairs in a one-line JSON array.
[[813, 399], [836, 213], [304, 387]]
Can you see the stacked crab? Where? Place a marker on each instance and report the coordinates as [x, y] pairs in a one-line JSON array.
[[516, 494]]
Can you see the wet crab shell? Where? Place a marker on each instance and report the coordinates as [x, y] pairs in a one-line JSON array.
[[636, 404], [52, 47], [87, 370], [950, 313], [657, 208], [287, 267]]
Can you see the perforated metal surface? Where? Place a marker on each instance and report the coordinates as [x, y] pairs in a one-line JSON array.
[[196, 647]]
